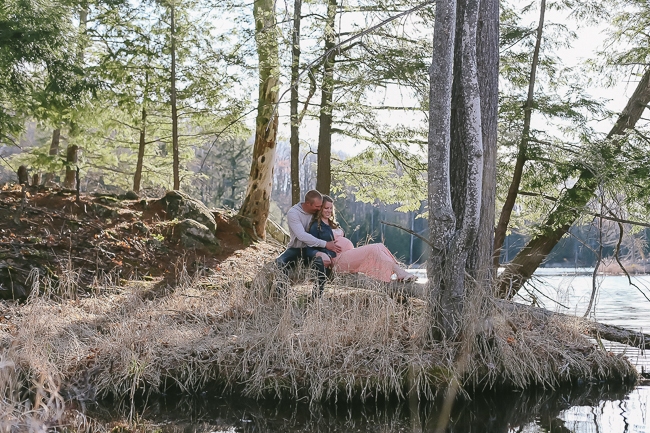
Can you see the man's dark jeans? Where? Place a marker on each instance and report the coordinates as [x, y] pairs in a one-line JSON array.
[[292, 256]]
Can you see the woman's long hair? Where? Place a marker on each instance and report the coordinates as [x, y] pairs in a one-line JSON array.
[[319, 215]]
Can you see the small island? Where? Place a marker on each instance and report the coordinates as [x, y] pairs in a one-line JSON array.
[[122, 298]]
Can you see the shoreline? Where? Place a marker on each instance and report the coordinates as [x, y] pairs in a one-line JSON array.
[[355, 343], [200, 317]]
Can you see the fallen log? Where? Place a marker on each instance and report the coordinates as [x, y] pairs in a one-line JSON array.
[[593, 329]]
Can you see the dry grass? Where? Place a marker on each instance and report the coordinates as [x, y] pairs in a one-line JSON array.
[[30, 400], [518, 349], [222, 330]]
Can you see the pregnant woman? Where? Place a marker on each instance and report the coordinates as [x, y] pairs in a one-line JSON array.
[[373, 260]]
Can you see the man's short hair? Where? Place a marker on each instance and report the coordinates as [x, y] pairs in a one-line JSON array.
[[312, 196]]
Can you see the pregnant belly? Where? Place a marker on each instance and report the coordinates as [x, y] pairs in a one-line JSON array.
[[345, 244]]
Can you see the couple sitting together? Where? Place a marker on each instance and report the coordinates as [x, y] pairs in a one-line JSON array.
[[317, 240]]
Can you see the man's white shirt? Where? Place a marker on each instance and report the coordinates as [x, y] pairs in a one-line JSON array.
[[298, 221]]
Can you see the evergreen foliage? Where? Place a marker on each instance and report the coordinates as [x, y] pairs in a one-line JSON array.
[[39, 79], [99, 72]]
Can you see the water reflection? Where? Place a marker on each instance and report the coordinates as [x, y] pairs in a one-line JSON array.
[[625, 415], [594, 408]]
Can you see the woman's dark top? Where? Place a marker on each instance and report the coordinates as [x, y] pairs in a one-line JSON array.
[[321, 231]]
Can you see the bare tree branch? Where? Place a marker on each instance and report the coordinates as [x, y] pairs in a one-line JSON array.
[[409, 231], [344, 43]]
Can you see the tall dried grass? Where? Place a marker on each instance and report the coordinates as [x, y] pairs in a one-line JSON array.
[[222, 330], [30, 400]]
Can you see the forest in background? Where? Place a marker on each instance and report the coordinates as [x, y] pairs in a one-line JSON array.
[[152, 94]]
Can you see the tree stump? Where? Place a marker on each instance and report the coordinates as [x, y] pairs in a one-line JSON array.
[[23, 176], [70, 172]]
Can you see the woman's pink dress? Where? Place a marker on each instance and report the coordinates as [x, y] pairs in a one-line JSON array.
[[373, 260]]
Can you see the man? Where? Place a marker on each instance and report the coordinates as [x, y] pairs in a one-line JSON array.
[[299, 217]]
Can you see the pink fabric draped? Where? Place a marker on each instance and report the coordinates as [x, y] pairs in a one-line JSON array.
[[373, 260]]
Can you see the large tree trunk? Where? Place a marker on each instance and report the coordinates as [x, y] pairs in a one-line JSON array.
[[258, 194], [487, 57], [175, 154], [324, 172], [513, 190], [442, 220], [295, 123], [470, 140], [570, 205], [455, 160]]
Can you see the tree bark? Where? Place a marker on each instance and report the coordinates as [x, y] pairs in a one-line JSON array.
[[472, 133], [54, 151], [72, 151], [487, 58], [466, 158], [137, 177], [83, 25], [455, 161], [258, 193], [23, 175], [295, 123], [513, 190], [56, 139], [175, 153], [324, 161], [571, 204], [442, 220], [71, 158]]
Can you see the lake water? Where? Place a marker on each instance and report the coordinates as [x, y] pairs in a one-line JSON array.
[[602, 408], [617, 302]]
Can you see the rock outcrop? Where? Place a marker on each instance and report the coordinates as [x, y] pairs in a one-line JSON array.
[[181, 206]]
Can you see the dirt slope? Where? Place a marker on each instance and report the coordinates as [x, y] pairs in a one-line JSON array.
[[51, 233]]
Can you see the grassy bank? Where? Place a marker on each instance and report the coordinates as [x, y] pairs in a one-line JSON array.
[[219, 330]]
